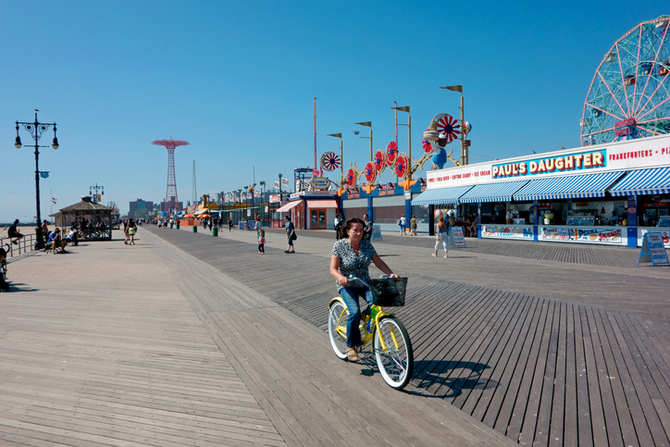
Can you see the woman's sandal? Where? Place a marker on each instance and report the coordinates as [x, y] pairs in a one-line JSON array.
[[352, 356]]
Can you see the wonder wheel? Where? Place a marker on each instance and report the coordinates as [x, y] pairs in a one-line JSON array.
[[629, 96]]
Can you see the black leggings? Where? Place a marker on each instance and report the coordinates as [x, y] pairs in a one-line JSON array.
[[261, 248]]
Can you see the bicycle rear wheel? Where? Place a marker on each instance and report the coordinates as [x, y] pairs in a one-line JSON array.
[[394, 357], [337, 327]]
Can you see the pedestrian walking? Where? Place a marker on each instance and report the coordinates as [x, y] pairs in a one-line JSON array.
[[367, 231], [132, 229], [230, 224], [403, 225], [290, 234], [338, 226], [261, 242], [442, 236], [413, 224], [126, 224]]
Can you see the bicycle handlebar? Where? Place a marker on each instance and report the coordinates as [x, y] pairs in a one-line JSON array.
[[355, 278]]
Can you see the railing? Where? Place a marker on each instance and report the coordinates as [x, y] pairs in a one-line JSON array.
[[25, 245]]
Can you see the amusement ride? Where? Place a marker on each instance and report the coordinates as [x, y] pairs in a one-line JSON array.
[[629, 95]]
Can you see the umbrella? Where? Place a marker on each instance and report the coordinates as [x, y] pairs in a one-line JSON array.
[[204, 216], [189, 216]]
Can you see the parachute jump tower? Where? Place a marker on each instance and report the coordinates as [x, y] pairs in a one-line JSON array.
[[171, 199]]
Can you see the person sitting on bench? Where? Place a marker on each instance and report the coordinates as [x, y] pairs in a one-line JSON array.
[[72, 236], [12, 232], [57, 241]]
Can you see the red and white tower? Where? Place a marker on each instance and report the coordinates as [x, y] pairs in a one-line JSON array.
[[171, 199]]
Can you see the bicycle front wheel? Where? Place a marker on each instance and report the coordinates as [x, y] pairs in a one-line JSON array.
[[337, 327], [393, 352]]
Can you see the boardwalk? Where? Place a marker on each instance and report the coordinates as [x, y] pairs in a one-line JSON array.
[[547, 344], [111, 345]]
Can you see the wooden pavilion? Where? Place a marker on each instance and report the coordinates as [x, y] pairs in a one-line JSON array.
[[98, 219]]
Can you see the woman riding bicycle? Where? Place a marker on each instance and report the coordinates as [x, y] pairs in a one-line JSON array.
[[352, 255]]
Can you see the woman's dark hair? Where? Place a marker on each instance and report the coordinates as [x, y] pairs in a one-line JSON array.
[[344, 231], [287, 218]]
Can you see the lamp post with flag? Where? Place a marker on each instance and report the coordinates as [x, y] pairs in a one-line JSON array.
[[53, 201], [465, 144], [36, 129], [341, 183], [367, 124]]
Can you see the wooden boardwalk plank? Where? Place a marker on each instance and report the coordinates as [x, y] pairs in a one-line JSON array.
[[553, 381], [604, 380], [499, 353], [515, 408], [563, 417], [637, 430], [536, 385]]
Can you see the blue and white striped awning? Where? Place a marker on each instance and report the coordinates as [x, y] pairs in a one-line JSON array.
[[493, 192], [568, 187], [643, 182], [442, 196]]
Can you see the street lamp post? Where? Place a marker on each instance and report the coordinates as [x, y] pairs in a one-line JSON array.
[[96, 188], [252, 190], [409, 131], [465, 144], [36, 129], [263, 201], [280, 197], [368, 124], [408, 179]]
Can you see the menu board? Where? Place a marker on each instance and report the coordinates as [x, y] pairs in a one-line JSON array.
[[457, 237], [376, 233], [653, 249]]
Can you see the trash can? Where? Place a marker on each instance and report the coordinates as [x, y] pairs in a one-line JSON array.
[[195, 228], [215, 232]]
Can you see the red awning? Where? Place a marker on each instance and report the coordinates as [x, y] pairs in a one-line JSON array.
[[322, 204], [289, 206]]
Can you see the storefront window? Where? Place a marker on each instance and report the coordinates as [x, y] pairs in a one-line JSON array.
[[355, 208], [653, 209], [388, 209]]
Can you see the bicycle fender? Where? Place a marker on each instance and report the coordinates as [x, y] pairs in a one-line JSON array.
[[337, 298]]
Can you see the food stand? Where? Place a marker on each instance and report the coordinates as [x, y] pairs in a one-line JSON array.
[[609, 194]]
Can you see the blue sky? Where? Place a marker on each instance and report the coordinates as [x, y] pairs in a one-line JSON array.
[[237, 80]]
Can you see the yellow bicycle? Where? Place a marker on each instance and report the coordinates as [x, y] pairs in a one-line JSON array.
[[391, 345]]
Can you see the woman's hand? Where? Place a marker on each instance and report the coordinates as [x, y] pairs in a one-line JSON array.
[[344, 281]]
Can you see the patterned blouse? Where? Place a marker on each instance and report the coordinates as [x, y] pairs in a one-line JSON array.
[[352, 263]]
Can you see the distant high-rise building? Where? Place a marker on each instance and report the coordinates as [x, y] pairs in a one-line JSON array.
[[139, 204]]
